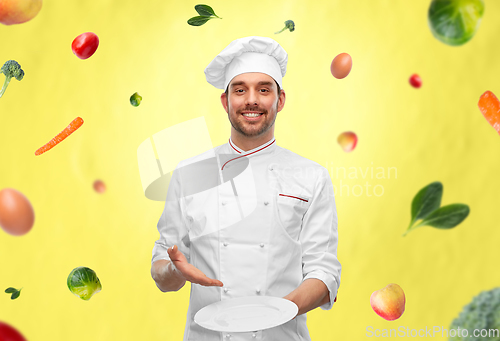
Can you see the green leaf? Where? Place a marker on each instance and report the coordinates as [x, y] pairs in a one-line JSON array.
[[198, 21], [447, 217], [204, 10], [15, 295], [10, 290], [427, 200]]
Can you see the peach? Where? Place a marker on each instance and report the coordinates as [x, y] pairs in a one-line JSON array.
[[388, 302], [18, 11]]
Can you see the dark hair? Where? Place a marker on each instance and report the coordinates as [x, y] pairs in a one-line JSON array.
[[279, 89]]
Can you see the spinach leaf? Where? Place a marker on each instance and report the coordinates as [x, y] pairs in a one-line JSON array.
[[447, 217], [428, 199], [198, 21], [205, 10], [15, 294], [425, 207]]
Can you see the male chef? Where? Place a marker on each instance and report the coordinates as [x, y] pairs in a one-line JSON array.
[[267, 226]]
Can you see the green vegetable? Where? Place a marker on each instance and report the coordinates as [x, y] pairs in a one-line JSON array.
[[447, 217], [482, 313], [205, 10], [135, 99], [426, 201], [425, 206], [454, 22], [83, 282], [288, 24], [15, 293], [10, 69], [205, 14]]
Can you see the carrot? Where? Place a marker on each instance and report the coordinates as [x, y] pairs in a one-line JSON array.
[[74, 125], [490, 108]]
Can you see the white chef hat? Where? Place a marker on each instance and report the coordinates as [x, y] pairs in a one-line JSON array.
[[249, 54]]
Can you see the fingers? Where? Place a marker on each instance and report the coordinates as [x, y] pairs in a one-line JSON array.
[[172, 250], [198, 277], [215, 283], [191, 273], [208, 282], [174, 253]]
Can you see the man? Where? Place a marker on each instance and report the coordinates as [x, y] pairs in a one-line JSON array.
[[269, 228]]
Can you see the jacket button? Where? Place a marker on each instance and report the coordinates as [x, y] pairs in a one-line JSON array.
[[258, 291], [225, 244], [225, 289], [254, 335], [266, 202], [223, 203], [261, 244]]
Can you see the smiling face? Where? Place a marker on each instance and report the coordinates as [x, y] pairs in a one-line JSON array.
[[252, 103]]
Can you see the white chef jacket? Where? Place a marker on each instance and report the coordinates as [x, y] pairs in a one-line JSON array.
[[263, 232]]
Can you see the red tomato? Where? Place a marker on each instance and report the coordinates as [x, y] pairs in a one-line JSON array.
[[415, 81], [8, 333], [85, 45]]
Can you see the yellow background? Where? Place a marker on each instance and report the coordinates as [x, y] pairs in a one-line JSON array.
[[435, 133]]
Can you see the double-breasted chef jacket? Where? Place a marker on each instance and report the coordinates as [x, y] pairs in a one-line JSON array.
[[262, 230]]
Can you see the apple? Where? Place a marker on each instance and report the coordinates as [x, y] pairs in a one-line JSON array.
[[9, 333], [18, 11], [347, 141], [388, 302]]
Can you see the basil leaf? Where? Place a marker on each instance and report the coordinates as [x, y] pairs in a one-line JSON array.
[[15, 295], [10, 290], [447, 217], [198, 21], [427, 200], [204, 10]]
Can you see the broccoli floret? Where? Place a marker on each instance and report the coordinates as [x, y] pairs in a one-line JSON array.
[[483, 314], [11, 69], [288, 24]]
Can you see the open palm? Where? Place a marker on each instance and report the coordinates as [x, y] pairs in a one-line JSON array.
[[190, 272]]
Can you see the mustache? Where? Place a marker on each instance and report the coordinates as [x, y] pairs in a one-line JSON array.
[[264, 111]]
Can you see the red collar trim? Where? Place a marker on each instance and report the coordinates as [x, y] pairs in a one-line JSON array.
[[255, 151], [233, 146]]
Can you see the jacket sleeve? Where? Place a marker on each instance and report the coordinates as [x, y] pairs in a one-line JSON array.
[[319, 238], [172, 225]]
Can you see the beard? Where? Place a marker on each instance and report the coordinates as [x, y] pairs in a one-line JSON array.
[[249, 128]]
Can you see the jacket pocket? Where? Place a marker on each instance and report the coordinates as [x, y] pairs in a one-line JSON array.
[[291, 209]]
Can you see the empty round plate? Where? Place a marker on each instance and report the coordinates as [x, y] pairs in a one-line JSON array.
[[246, 314]]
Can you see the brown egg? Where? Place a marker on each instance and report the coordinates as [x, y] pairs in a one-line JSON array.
[[341, 66], [16, 213], [99, 186]]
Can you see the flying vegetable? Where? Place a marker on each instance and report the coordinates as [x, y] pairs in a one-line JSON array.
[[11, 69], [454, 22], [83, 282], [289, 24], [481, 314]]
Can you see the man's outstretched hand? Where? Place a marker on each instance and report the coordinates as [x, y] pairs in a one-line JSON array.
[[188, 271]]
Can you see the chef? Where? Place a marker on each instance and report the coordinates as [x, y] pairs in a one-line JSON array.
[[249, 218]]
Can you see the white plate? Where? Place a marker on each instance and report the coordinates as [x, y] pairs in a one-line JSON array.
[[246, 314]]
